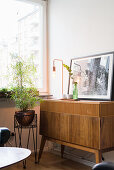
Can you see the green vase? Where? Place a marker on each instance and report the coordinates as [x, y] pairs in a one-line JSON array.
[[75, 91]]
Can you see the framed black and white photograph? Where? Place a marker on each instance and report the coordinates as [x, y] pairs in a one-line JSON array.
[[94, 76]]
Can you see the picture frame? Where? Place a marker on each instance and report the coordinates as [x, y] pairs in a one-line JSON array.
[[94, 76]]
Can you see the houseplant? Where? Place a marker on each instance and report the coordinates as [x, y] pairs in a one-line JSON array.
[[23, 92], [4, 93], [75, 89]]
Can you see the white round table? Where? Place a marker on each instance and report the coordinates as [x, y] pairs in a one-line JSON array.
[[12, 155]]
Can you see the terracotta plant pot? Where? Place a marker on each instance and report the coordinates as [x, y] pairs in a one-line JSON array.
[[25, 118]]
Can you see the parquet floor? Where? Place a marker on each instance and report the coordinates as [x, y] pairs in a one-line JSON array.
[[49, 161]]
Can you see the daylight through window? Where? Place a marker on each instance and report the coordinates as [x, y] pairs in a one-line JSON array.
[[20, 34]]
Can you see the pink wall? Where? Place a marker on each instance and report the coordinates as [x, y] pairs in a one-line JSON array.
[[7, 110]]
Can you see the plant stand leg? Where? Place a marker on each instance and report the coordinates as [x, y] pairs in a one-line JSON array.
[[35, 148], [28, 138]]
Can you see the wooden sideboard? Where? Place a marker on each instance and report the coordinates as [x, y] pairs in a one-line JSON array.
[[85, 125]]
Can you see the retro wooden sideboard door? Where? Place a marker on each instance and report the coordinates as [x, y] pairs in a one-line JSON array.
[[85, 125]]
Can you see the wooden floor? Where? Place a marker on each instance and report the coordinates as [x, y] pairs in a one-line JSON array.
[[49, 161]]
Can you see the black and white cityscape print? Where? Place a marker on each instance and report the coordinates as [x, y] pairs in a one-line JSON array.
[[93, 75]]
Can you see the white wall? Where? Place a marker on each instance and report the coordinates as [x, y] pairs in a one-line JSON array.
[[78, 28]]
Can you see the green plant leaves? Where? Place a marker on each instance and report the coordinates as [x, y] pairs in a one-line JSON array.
[[23, 92], [25, 98], [69, 70]]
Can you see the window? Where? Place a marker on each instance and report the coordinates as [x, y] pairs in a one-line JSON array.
[[22, 33]]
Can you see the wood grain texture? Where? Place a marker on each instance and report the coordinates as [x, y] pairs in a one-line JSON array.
[[72, 107], [98, 156], [82, 130], [107, 109], [86, 124], [72, 145], [107, 132], [49, 161], [43, 141], [50, 124]]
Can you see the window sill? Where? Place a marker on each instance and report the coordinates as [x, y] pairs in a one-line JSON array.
[[44, 96]]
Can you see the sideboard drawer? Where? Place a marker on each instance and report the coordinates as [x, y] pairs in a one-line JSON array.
[[50, 124], [76, 129], [85, 131]]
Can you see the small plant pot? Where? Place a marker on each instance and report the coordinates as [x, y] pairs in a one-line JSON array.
[[25, 118]]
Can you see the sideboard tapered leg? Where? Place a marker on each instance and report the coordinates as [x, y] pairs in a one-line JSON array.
[[62, 150], [98, 156], [43, 141]]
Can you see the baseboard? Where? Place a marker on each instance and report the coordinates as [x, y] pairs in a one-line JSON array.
[[73, 157], [68, 155], [45, 149]]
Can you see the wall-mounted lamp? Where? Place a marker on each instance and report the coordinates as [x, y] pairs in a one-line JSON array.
[[54, 70]]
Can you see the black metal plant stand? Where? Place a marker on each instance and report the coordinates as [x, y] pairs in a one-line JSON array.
[[18, 128]]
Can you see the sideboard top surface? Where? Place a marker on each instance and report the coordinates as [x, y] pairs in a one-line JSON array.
[[81, 107], [80, 101]]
